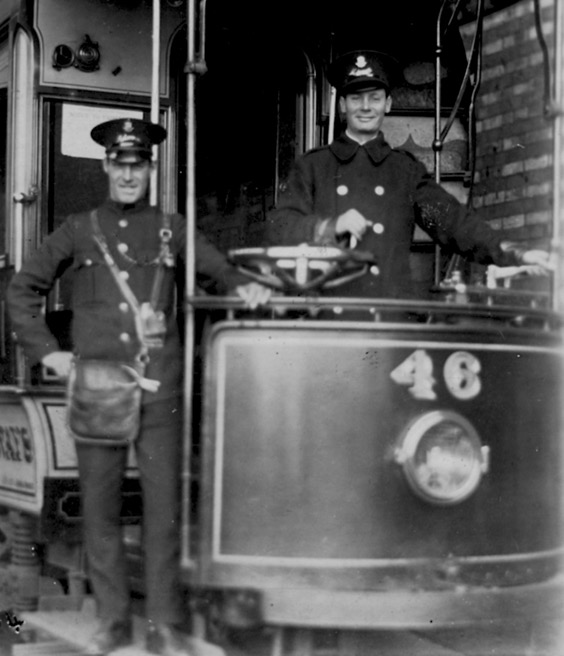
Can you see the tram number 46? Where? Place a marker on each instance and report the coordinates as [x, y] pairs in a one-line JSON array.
[[461, 374]]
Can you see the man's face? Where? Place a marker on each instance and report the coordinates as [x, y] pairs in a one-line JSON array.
[[365, 111], [128, 178]]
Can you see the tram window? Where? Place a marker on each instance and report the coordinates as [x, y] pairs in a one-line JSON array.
[[248, 132]]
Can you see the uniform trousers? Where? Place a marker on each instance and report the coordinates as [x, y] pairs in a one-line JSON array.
[[101, 469]]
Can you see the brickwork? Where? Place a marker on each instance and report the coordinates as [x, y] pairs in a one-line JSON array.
[[514, 137]]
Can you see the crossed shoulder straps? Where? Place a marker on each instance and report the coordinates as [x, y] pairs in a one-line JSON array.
[[165, 259]]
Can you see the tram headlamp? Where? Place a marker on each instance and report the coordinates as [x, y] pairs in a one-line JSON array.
[[63, 57], [88, 55], [442, 457], [86, 58]]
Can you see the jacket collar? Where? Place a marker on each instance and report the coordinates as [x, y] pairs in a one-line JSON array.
[[344, 148], [129, 208]]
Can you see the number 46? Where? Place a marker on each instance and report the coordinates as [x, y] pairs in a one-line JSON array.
[[461, 374]]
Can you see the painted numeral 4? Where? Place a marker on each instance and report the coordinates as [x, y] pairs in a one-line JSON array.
[[416, 371]]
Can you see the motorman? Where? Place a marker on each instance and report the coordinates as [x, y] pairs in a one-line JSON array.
[[360, 187]]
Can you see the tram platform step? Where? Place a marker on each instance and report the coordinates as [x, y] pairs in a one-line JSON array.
[[45, 629], [51, 648]]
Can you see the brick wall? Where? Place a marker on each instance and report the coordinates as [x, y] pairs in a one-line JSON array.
[[514, 181]]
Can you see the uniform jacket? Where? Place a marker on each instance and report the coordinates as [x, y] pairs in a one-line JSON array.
[[102, 324], [393, 190]]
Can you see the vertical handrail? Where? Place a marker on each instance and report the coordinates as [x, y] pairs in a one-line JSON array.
[[332, 115], [21, 175], [310, 106], [22, 149], [437, 141], [441, 132], [332, 101], [190, 259], [477, 48], [558, 153], [155, 92], [277, 146]]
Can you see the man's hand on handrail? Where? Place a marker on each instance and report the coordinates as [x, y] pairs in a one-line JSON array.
[[254, 294]]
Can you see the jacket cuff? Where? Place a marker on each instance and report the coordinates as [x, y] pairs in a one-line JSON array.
[[512, 253], [324, 231]]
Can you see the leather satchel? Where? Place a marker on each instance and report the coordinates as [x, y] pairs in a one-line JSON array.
[[104, 402]]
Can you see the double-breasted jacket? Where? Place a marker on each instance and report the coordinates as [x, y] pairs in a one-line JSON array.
[[394, 191]]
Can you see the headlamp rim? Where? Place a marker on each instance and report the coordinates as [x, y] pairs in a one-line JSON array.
[[410, 441]]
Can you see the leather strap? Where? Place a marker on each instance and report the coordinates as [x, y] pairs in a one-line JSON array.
[[164, 259]]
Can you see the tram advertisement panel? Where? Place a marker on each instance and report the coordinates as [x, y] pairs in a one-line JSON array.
[[17, 454]]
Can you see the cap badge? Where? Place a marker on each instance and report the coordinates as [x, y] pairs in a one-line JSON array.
[[127, 140], [361, 72], [361, 68], [127, 126], [361, 61]]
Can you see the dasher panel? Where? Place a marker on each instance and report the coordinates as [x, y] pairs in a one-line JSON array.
[[306, 424]]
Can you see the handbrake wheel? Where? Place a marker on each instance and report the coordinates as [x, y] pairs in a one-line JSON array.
[[303, 268]]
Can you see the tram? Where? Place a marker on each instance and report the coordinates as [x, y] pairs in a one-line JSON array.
[[350, 465]]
